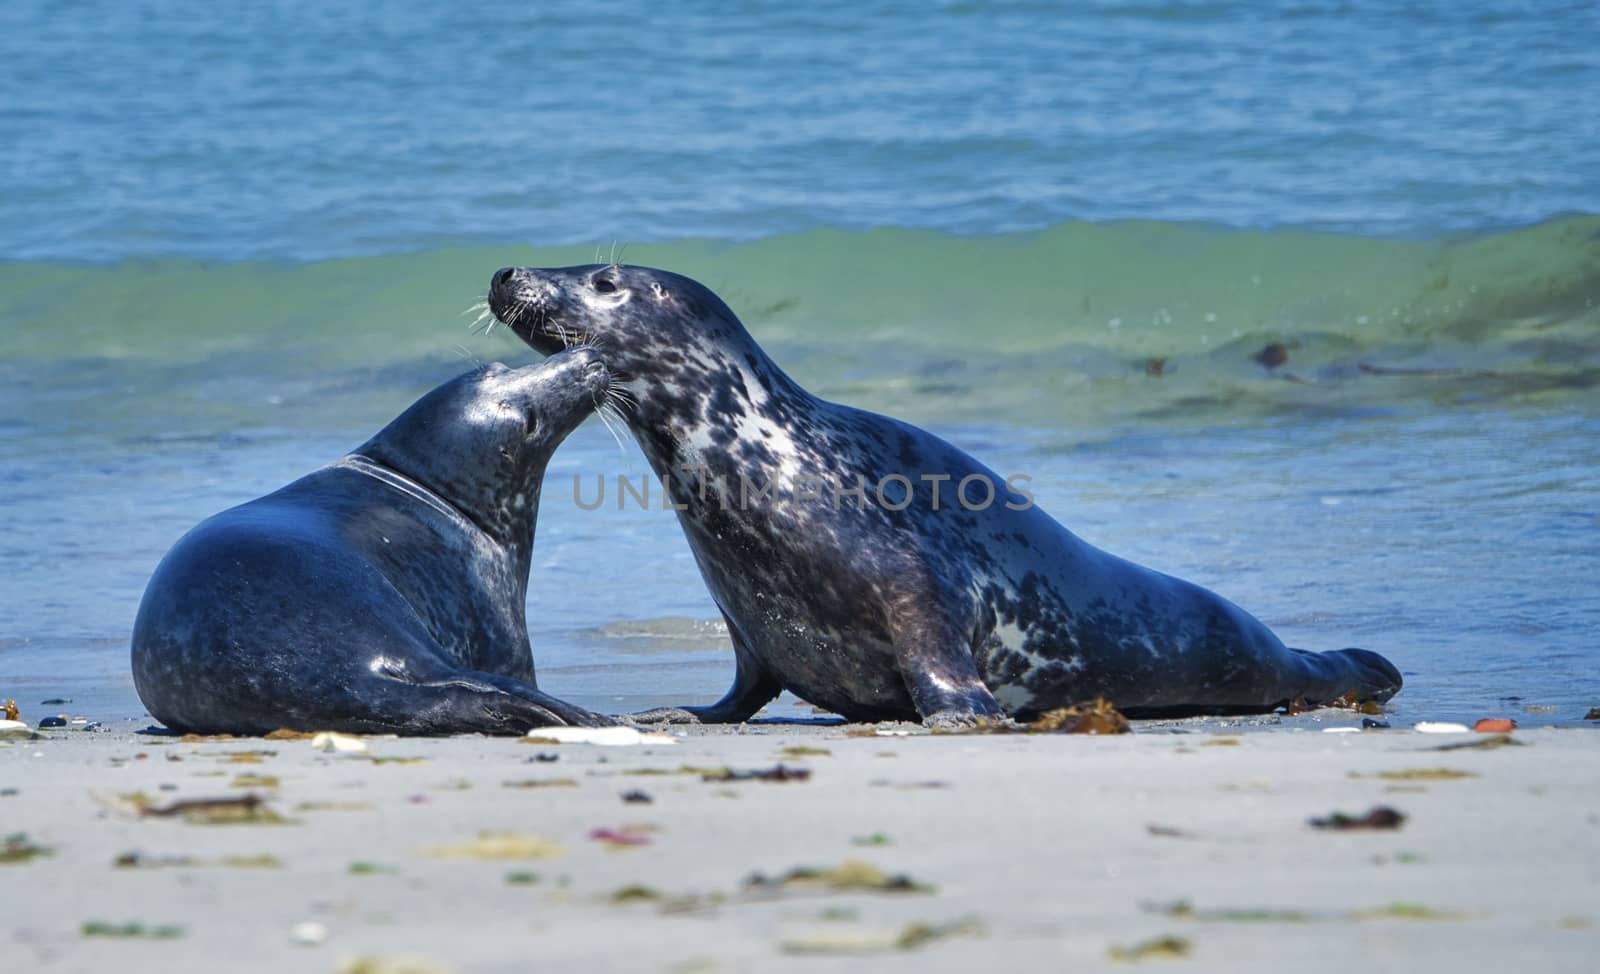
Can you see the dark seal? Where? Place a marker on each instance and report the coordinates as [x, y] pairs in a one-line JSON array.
[[876, 598], [383, 593]]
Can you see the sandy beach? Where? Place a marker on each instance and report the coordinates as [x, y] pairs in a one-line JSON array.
[[1185, 846]]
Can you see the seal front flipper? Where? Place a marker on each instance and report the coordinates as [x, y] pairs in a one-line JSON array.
[[753, 688], [937, 665]]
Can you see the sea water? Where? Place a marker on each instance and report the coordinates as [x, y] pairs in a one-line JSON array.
[[1296, 300]]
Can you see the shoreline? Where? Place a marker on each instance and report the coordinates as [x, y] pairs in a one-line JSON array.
[[481, 854]]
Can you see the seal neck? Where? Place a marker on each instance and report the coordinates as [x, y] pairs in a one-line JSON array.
[[508, 524], [710, 431]]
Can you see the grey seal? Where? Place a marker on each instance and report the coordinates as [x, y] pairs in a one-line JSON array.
[[901, 608], [384, 593]]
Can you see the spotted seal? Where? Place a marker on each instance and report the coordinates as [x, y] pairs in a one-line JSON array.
[[901, 608], [382, 593]]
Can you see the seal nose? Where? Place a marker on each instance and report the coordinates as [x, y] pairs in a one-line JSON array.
[[503, 276]]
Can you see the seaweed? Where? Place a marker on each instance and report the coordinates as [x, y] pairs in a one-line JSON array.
[[1420, 774], [1379, 817], [17, 848], [802, 751], [1486, 744], [626, 837], [1097, 716], [363, 868], [850, 876], [635, 893], [241, 810], [778, 772], [541, 783], [1169, 947], [495, 846], [254, 781], [130, 931], [910, 937]]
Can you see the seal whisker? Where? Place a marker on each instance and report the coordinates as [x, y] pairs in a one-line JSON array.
[[601, 410]]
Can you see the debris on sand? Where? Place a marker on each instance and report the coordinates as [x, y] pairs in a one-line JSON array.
[[635, 893], [779, 772], [391, 964], [1487, 743], [1406, 911], [494, 846], [1495, 725], [362, 868], [241, 810], [1440, 727], [848, 877], [910, 937], [254, 781], [627, 837], [1097, 716], [1419, 774], [285, 734], [332, 743], [139, 860], [1184, 910], [1168, 947], [599, 736], [802, 751], [1380, 817], [130, 931], [17, 848]]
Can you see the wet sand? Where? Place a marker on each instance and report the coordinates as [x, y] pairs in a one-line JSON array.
[[1065, 852]]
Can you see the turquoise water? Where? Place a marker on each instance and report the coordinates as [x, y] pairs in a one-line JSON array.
[[234, 243]]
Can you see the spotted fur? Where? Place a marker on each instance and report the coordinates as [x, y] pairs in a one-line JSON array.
[[943, 615]]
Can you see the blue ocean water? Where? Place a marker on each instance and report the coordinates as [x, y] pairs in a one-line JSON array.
[[235, 240]]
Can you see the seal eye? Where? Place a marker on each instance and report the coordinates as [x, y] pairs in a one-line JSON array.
[[604, 285]]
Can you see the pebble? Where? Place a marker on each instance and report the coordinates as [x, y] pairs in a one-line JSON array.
[[1495, 725], [308, 934]]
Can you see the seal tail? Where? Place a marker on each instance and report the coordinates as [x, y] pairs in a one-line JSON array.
[[1340, 671]]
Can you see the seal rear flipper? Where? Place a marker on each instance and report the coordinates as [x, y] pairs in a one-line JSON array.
[[753, 688], [453, 697], [1361, 671]]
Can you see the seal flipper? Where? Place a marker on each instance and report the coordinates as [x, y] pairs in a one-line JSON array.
[[1341, 671], [467, 701], [936, 663], [753, 688]]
